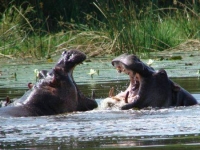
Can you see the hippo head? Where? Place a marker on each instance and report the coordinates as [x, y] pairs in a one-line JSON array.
[[135, 68], [133, 63], [69, 59]]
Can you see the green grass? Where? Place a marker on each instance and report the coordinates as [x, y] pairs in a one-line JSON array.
[[124, 29], [149, 30], [20, 39]]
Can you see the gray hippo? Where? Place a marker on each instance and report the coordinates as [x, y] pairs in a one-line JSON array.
[[55, 93], [149, 88]]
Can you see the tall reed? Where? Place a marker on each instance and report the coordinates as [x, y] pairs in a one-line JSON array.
[[150, 29], [125, 27]]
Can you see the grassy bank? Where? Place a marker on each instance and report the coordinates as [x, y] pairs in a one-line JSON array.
[[123, 29]]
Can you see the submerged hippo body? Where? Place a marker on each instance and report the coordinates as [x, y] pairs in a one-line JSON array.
[[154, 88], [55, 93]]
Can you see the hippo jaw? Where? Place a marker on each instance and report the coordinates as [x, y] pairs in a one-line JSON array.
[[69, 59], [66, 64], [134, 85]]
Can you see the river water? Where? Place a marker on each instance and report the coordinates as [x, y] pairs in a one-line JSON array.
[[173, 128]]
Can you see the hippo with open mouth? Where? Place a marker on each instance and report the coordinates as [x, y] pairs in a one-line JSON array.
[[55, 93], [148, 88]]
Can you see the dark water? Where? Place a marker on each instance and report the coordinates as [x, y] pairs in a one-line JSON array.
[[173, 128]]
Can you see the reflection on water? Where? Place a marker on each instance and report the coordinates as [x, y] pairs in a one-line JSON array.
[[173, 128]]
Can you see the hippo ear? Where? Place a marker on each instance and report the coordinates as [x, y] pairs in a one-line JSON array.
[[142, 69], [162, 71]]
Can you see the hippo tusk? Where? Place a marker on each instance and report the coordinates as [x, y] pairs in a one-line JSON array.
[[126, 97], [111, 92], [8, 101]]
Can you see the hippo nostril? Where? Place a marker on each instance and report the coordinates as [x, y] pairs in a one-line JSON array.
[[68, 56]]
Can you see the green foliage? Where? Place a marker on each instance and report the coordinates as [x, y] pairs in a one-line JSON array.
[[38, 28], [148, 29]]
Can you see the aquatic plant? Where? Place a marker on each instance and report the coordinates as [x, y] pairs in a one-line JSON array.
[[93, 72], [150, 62]]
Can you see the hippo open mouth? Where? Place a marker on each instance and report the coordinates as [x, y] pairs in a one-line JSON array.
[[64, 67], [134, 85], [131, 93], [124, 63], [69, 59]]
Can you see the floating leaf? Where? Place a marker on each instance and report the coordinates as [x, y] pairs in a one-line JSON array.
[[198, 71], [175, 58], [188, 64], [150, 62], [92, 72], [36, 72]]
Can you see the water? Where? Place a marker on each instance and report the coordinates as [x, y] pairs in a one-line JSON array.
[[173, 128]]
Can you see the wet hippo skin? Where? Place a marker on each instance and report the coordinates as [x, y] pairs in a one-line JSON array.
[[155, 88], [55, 93]]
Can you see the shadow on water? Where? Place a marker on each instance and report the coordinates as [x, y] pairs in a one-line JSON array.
[[173, 128]]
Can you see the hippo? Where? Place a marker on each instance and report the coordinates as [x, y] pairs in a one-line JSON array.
[[149, 88], [55, 93]]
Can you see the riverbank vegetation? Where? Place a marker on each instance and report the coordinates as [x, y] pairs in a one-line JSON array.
[[40, 29]]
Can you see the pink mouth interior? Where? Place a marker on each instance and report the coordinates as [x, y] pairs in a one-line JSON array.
[[134, 85]]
